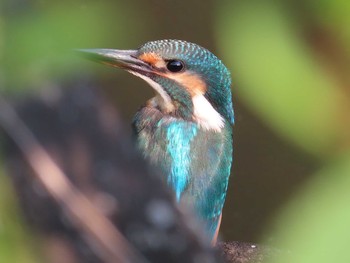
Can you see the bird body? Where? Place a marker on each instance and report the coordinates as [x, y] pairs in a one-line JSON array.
[[196, 161], [186, 129]]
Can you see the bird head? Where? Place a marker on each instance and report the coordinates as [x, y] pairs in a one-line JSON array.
[[190, 82]]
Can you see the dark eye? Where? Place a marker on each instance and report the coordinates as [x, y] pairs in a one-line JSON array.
[[175, 65]]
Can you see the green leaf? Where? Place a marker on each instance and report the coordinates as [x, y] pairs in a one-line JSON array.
[[315, 225], [39, 45], [16, 244], [277, 76]]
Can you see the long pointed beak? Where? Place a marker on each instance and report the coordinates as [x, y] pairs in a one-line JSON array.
[[126, 59]]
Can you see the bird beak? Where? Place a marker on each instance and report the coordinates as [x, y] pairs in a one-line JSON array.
[[126, 59]]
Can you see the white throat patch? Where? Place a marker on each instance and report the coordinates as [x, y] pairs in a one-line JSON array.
[[205, 115], [163, 99]]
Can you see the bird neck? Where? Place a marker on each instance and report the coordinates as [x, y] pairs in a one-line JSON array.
[[220, 97]]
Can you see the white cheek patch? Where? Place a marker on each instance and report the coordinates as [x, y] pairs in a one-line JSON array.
[[205, 115], [163, 100]]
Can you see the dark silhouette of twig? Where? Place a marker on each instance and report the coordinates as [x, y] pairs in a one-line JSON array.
[[112, 246], [100, 198]]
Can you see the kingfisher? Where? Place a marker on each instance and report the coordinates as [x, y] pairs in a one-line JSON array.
[[186, 128]]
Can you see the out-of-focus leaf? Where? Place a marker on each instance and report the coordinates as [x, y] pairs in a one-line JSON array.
[[334, 14], [1, 51], [39, 44], [278, 76], [315, 226], [14, 239]]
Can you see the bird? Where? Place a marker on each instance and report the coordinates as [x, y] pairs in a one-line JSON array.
[[186, 129]]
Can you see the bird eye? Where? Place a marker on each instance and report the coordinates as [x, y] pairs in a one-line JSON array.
[[175, 65]]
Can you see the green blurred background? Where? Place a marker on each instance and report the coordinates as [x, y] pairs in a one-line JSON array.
[[290, 63]]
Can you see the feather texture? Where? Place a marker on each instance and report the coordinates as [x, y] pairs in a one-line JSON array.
[[196, 161]]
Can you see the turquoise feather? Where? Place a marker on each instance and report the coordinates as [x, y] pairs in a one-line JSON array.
[[197, 161], [179, 135]]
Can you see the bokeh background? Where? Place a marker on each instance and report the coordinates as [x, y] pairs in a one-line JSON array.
[[290, 63]]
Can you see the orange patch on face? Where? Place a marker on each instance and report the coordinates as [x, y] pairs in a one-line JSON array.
[[152, 58], [191, 81]]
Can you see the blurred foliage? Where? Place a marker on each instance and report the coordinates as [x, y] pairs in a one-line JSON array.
[[334, 15], [290, 62], [291, 65], [14, 237], [37, 42], [278, 75], [40, 40], [316, 225]]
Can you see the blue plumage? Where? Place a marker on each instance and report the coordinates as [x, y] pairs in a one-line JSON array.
[[197, 161], [179, 136], [186, 129]]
